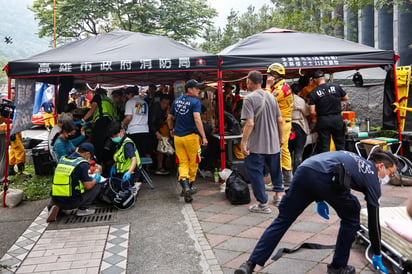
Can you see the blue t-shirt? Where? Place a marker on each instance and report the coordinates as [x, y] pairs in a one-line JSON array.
[[47, 107], [363, 173], [183, 108], [129, 151]]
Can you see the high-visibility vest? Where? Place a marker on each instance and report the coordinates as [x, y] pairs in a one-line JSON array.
[[108, 109], [122, 163], [62, 181]]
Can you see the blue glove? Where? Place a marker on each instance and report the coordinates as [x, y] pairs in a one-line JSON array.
[[98, 177], [126, 176], [87, 124], [112, 171], [79, 122], [377, 263], [323, 210]]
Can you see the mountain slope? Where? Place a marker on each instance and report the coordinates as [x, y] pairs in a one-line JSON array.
[[18, 23]]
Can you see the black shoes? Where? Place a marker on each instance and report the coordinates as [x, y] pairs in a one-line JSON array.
[[342, 270], [245, 268]]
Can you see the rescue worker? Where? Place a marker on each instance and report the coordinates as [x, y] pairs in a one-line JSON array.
[[126, 157], [328, 178], [325, 108], [17, 154], [102, 111], [276, 84], [72, 187], [185, 125]]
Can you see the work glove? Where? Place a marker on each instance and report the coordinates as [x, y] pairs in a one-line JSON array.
[[377, 263], [323, 210], [126, 176], [98, 178], [112, 171]]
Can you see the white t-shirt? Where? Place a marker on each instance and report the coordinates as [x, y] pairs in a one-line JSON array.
[[139, 109]]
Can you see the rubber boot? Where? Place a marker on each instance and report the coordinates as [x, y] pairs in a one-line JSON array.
[[11, 171], [287, 177], [22, 172], [186, 189], [193, 189]]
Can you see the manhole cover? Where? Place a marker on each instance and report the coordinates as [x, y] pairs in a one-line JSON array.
[[102, 215]]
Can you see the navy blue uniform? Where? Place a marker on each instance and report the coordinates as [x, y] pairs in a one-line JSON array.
[[327, 99], [313, 182]]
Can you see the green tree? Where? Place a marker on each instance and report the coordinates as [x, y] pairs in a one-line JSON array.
[[177, 19]]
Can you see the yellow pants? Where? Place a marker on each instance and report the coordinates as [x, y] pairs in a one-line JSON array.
[[48, 119], [286, 159], [17, 154], [187, 148]]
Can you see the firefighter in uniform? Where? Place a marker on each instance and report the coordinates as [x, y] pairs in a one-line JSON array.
[[325, 108], [276, 84], [102, 112], [126, 157], [72, 186]]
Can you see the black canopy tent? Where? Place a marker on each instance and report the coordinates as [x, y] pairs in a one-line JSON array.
[[299, 51], [118, 57], [301, 54]]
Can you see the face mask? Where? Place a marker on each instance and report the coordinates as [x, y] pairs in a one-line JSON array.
[[385, 179], [117, 139]]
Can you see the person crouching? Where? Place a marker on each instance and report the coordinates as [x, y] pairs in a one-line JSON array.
[[72, 187], [126, 157]]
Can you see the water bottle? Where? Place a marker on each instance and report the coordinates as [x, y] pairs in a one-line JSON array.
[[216, 176], [367, 120]]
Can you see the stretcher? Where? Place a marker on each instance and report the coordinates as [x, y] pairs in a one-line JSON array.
[[395, 248]]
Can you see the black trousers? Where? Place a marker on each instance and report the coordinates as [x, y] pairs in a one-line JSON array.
[[98, 138], [307, 186], [330, 125], [297, 146]]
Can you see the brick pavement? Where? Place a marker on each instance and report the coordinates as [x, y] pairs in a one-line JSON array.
[[225, 234], [232, 232]]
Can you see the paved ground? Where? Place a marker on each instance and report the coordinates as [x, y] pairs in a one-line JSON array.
[[162, 234]]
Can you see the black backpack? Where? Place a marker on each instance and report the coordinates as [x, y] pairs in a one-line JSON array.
[[237, 190], [403, 174]]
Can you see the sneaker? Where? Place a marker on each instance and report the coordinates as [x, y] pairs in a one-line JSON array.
[[85, 212], [69, 211], [276, 200], [136, 188], [162, 171], [24, 174], [258, 208], [269, 186], [342, 270], [54, 210], [245, 268]]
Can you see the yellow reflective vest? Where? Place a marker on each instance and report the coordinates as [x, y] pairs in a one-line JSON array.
[[108, 109], [122, 163], [62, 181]]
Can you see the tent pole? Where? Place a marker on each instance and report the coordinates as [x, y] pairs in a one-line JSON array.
[[398, 114], [6, 162], [221, 120]]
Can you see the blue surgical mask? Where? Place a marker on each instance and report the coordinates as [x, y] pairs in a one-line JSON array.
[[117, 139]]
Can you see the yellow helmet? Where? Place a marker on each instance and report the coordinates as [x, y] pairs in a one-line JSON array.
[[278, 68]]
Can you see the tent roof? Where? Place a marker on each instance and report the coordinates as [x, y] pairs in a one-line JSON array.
[[299, 50], [118, 56]]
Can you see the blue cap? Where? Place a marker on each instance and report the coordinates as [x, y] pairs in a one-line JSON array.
[[89, 147]]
